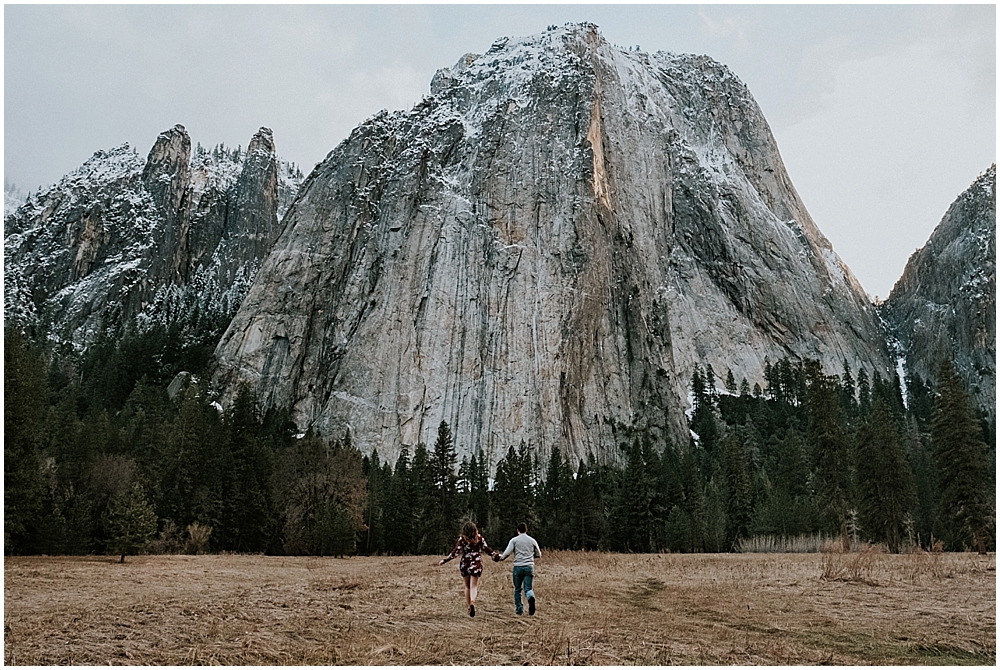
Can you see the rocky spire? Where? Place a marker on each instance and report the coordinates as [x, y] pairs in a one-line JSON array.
[[252, 219], [167, 169], [119, 237]]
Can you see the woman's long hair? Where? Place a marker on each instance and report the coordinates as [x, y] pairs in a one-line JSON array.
[[470, 532]]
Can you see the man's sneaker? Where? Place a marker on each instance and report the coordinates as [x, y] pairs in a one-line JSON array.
[[472, 610], [531, 605]]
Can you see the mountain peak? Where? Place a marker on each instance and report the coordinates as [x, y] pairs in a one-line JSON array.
[[944, 304], [543, 250]]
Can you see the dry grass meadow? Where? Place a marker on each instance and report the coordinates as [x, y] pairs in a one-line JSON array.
[[597, 609]]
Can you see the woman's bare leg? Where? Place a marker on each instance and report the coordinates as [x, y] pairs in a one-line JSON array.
[[469, 596], [472, 589]]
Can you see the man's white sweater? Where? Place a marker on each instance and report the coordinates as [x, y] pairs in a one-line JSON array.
[[524, 548]]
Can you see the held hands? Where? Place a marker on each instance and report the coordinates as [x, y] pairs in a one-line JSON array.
[[496, 558]]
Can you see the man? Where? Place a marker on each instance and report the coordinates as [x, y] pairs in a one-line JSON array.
[[525, 551]]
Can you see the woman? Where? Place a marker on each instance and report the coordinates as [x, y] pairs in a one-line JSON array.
[[470, 544]]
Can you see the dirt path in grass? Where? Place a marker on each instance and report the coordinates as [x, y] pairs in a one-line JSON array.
[[601, 609]]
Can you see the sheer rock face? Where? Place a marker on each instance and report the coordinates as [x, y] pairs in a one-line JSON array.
[[120, 237], [944, 305], [541, 250]]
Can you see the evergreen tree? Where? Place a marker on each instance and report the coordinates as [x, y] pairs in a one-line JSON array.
[[714, 525], [67, 474], [513, 499], [247, 523], [698, 389], [885, 483], [864, 393], [669, 478], [479, 490], [703, 421], [464, 485], [378, 481], [554, 503], [920, 455], [637, 506], [830, 448], [739, 506], [788, 509], [920, 398], [130, 521], [193, 488], [967, 502], [710, 381], [694, 515], [443, 515], [422, 491], [399, 508], [848, 398], [585, 519], [24, 411], [730, 382], [320, 490], [891, 393], [680, 530], [144, 422]]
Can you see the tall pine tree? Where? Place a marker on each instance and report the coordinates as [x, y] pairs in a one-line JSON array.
[[637, 506], [885, 482], [479, 490], [399, 536], [967, 502], [513, 499], [443, 515], [739, 506], [422, 499], [24, 411], [554, 503], [248, 523], [586, 523], [830, 448]]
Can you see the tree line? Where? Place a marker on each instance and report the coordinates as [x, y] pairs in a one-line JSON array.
[[99, 457]]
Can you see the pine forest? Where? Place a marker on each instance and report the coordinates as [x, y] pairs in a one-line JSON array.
[[104, 455]]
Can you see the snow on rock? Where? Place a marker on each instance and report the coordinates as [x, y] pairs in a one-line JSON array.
[[496, 257], [175, 237], [944, 305]]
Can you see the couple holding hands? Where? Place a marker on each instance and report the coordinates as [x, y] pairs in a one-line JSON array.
[[471, 545]]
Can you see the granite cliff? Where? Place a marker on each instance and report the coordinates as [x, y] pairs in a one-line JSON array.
[[944, 305], [126, 240], [541, 250]]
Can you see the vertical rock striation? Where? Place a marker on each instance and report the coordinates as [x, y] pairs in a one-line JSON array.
[[944, 305], [542, 250]]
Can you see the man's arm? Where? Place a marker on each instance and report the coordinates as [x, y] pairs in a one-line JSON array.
[[508, 550], [536, 548]]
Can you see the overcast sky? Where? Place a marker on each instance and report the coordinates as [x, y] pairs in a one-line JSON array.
[[883, 114]]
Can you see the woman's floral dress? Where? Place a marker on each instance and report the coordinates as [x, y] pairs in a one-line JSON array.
[[471, 564]]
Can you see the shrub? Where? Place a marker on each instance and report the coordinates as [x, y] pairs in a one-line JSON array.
[[198, 536]]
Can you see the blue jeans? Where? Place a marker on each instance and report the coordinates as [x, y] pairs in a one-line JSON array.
[[523, 576]]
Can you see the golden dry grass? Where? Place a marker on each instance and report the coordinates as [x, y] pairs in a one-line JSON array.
[[606, 609]]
